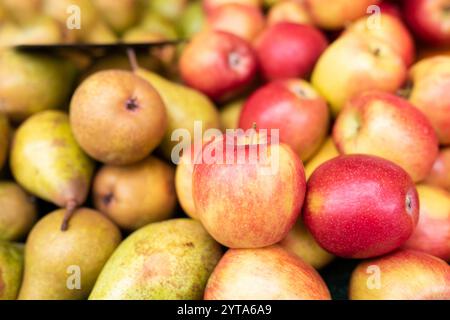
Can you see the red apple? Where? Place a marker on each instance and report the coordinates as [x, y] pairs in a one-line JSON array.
[[270, 273], [218, 63], [288, 105], [402, 275], [289, 11], [210, 5], [241, 20], [354, 64], [430, 93], [289, 50], [360, 206], [391, 9], [336, 14], [432, 234], [440, 173], [249, 192], [429, 19], [387, 126], [389, 29]]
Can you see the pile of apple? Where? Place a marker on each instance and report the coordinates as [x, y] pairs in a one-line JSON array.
[[358, 93]]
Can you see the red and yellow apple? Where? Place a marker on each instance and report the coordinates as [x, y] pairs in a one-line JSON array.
[[402, 275], [432, 234], [326, 152], [289, 50], [295, 108], [360, 206], [270, 273], [440, 173], [289, 11], [430, 92], [218, 63], [249, 191], [429, 19], [300, 242], [244, 21], [354, 64], [384, 125], [389, 29], [336, 14]]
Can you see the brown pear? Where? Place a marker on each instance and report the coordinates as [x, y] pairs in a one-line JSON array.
[[65, 265], [117, 117], [135, 195], [17, 211]]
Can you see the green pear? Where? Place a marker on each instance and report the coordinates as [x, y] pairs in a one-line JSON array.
[[229, 115], [11, 268], [119, 14], [30, 83], [47, 161], [100, 33], [4, 139], [65, 265], [156, 24], [18, 211], [166, 260], [42, 30], [191, 20], [169, 9], [184, 106]]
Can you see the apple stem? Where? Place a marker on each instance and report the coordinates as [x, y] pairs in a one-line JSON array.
[[71, 205], [132, 59]]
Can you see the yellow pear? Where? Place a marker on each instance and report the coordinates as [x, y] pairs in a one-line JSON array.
[[47, 161], [18, 211], [4, 139], [11, 267], [136, 195], [119, 14], [65, 265], [30, 83], [166, 260]]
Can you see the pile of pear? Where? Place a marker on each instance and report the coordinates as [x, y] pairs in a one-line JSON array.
[[97, 21], [88, 206]]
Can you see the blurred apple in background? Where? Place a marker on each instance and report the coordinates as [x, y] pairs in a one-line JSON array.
[[219, 64], [209, 5], [387, 126], [354, 64], [389, 29], [360, 206], [294, 11], [289, 50], [270, 273], [432, 234], [402, 275], [429, 19], [430, 92], [249, 191], [300, 242], [326, 152], [293, 107], [336, 14], [241, 20], [391, 8], [440, 173]]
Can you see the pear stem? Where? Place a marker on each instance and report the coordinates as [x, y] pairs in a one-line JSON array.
[[132, 59], [71, 205]]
